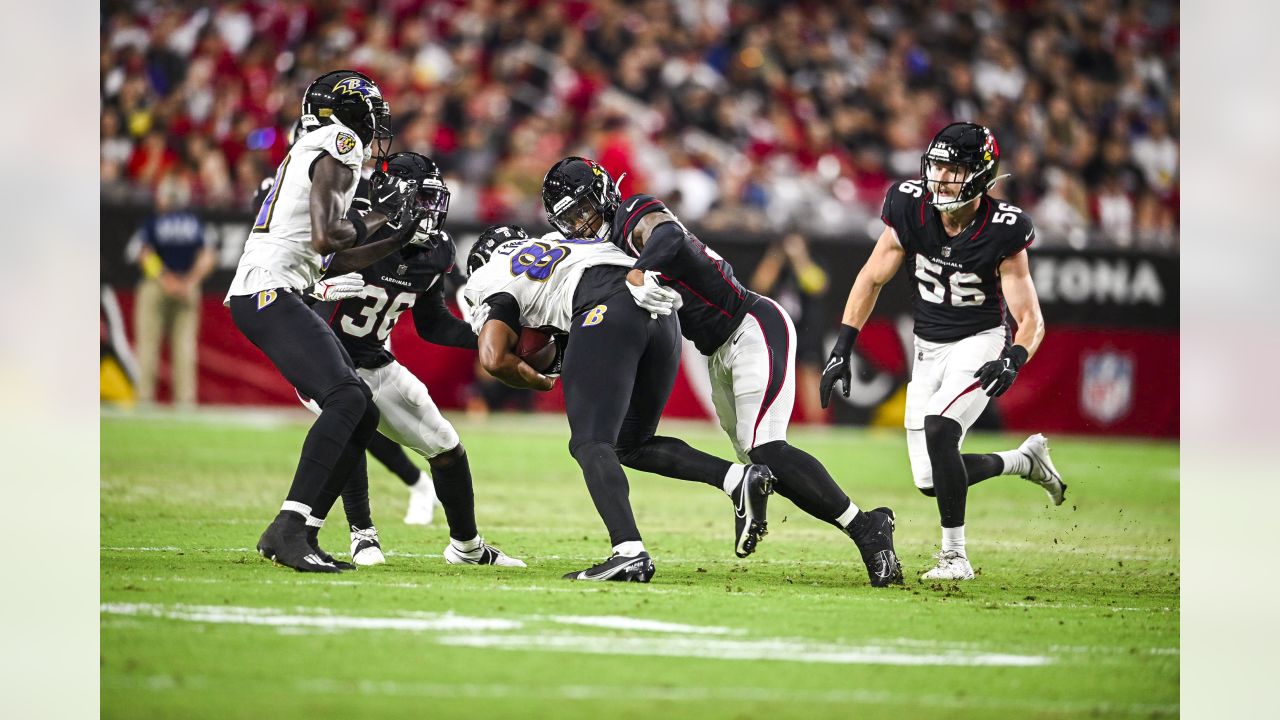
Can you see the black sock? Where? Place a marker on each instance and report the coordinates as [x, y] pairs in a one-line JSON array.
[[981, 467], [355, 496], [674, 458], [394, 458], [950, 480], [452, 476], [803, 480], [607, 484]]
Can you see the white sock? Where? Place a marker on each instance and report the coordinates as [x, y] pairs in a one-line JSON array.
[[424, 481], [630, 548], [467, 546], [733, 478], [847, 516], [304, 511], [1016, 462], [953, 539]]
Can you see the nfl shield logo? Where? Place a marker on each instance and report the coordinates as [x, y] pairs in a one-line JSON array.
[[1106, 386], [946, 251], [402, 269]]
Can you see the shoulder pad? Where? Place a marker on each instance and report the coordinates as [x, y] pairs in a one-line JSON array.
[[338, 141], [902, 202], [1012, 226]]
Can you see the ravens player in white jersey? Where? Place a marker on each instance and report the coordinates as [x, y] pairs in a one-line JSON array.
[[618, 366], [967, 254], [748, 341], [302, 231], [410, 279], [422, 495]]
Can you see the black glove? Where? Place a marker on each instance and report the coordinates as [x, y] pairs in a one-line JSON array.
[[837, 368], [557, 365], [394, 197], [996, 376]]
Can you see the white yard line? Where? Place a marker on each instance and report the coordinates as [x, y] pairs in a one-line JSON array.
[[664, 639]]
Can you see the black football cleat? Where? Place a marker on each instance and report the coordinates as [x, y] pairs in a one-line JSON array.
[[875, 543], [618, 568], [285, 542], [750, 500], [313, 539]]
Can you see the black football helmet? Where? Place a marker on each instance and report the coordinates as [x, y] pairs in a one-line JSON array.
[[432, 202], [971, 147], [489, 241], [353, 99], [580, 197]]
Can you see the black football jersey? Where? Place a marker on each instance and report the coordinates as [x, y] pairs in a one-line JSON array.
[[714, 301], [392, 285], [957, 279]]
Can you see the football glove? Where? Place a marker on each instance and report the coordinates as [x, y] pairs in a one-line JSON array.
[[838, 366], [340, 287], [997, 375], [557, 365], [652, 297], [426, 237], [394, 197]]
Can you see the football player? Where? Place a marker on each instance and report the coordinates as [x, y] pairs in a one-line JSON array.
[[619, 364], [301, 231], [748, 340], [422, 496], [967, 254], [362, 308]]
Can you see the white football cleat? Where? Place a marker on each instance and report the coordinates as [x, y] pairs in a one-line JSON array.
[[484, 555], [1043, 473], [422, 501], [952, 565], [365, 547]]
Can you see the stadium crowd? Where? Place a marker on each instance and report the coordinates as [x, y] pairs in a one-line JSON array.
[[750, 116]]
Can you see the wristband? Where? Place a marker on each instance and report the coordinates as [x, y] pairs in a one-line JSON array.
[[1017, 355], [845, 340]]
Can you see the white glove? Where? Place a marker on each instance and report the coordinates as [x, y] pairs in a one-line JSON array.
[[425, 236], [340, 287], [479, 317], [652, 297]]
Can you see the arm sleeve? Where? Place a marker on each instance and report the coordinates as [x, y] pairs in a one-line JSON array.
[[503, 306], [661, 247], [437, 325]]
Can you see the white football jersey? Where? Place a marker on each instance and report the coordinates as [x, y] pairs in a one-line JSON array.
[[278, 253], [542, 275]]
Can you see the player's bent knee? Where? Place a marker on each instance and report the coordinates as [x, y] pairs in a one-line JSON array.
[[941, 433], [770, 453], [448, 458], [927, 491]]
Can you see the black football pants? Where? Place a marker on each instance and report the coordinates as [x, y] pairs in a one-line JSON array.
[[307, 353]]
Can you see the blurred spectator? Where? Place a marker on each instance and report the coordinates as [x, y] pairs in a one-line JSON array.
[[789, 275], [175, 256], [758, 116]]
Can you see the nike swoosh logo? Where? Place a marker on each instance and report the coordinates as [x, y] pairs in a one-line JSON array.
[[832, 363], [1028, 237], [633, 204]]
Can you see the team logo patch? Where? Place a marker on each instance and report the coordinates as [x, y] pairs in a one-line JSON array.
[[265, 298], [1106, 386], [946, 251], [325, 261], [402, 269], [352, 86], [346, 142], [595, 315]]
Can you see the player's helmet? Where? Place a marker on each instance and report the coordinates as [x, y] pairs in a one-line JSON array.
[[432, 202], [580, 197], [353, 99], [489, 241], [971, 147]]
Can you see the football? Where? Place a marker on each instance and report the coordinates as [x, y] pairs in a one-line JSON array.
[[536, 348]]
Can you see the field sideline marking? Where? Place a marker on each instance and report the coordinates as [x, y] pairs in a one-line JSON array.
[[507, 691]]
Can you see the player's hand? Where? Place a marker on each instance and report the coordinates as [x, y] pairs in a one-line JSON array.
[[652, 297], [340, 287], [838, 367], [557, 365], [393, 197], [426, 237], [997, 375]]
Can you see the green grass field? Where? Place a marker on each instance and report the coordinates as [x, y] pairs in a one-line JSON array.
[[1074, 611]]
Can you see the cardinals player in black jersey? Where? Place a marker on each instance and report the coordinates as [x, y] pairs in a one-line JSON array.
[[748, 339], [967, 254], [362, 308]]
